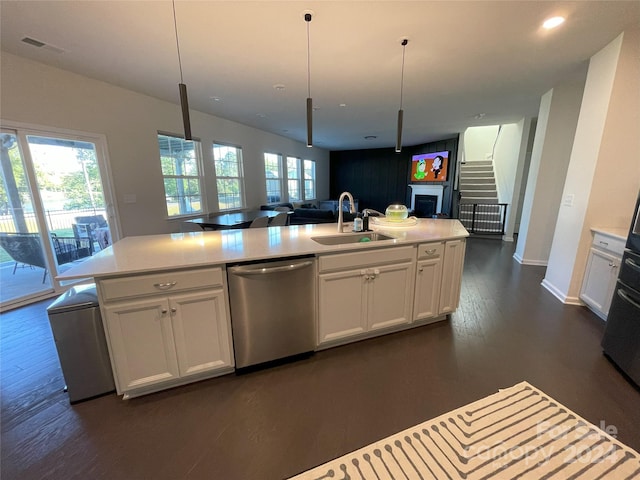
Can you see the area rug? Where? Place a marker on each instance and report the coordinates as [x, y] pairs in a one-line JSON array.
[[517, 433]]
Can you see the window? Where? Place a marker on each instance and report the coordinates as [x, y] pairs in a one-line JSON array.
[[228, 165], [180, 161], [273, 175], [309, 180], [293, 179]]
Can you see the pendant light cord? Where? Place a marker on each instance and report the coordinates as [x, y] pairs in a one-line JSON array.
[[404, 45], [308, 57], [175, 25]]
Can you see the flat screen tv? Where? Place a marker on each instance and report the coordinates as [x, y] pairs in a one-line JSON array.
[[429, 167]]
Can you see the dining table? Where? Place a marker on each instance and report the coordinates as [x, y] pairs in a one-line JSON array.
[[223, 221]]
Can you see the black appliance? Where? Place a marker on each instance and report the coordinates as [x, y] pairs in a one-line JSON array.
[[621, 341]]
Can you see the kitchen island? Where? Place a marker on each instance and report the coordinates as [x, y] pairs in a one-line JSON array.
[[164, 298]]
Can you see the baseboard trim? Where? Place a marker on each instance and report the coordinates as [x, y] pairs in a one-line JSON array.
[[556, 292], [523, 261]]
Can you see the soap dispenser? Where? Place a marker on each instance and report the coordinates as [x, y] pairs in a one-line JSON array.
[[357, 223], [365, 221]]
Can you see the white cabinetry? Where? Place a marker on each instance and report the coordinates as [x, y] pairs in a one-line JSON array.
[[166, 329], [426, 299], [363, 293], [438, 279], [601, 273], [452, 266]]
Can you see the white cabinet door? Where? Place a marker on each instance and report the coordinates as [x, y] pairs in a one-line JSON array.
[[427, 291], [342, 307], [201, 331], [600, 281], [389, 295], [451, 275], [142, 343]]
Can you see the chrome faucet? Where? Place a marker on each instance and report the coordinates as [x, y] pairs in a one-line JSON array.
[[352, 208]]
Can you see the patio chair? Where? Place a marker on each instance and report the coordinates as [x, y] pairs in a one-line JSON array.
[[26, 248], [94, 228]]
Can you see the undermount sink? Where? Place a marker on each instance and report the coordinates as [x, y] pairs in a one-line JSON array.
[[351, 238]]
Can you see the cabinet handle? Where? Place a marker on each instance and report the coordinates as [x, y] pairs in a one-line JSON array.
[[431, 251], [164, 311], [173, 310], [611, 264], [420, 269], [606, 244], [165, 286]]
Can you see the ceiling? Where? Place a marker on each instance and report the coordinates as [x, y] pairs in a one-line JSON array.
[[467, 63]]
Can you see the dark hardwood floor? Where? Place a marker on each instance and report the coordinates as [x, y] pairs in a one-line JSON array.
[[274, 423]]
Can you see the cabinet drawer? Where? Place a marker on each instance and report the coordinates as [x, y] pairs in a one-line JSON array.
[[430, 250], [606, 242], [165, 282], [381, 256]]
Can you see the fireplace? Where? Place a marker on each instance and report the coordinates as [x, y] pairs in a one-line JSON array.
[[425, 206], [426, 200]]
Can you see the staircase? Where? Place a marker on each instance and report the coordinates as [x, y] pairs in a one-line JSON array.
[[477, 182], [480, 211]]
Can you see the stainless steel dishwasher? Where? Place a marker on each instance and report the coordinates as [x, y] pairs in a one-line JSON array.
[[273, 309]]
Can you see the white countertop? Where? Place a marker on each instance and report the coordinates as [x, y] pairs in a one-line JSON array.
[[194, 249], [619, 233]]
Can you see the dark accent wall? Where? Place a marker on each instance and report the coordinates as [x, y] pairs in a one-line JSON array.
[[380, 177]]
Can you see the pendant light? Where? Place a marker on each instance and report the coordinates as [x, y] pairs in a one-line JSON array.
[[401, 112], [184, 103], [307, 18]]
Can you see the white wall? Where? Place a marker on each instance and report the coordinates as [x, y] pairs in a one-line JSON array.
[[510, 164], [557, 120], [38, 94], [604, 169], [505, 159], [479, 141]]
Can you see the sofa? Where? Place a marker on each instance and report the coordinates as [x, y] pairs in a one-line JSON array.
[[309, 213]]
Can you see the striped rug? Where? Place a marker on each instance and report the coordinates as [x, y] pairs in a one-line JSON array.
[[517, 433]]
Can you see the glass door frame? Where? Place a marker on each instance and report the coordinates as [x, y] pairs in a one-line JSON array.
[[22, 131]]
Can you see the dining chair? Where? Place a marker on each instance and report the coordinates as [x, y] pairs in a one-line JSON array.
[[260, 222], [280, 220]]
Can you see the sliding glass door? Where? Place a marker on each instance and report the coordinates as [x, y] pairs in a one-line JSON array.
[[54, 212], [24, 269]]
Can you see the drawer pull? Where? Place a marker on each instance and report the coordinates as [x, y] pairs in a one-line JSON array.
[[165, 286], [431, 251], [606, 244], [164, 311]]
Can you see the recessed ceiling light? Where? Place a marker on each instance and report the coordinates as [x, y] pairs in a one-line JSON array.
[[260, 115], [553, 22], [215, 99], [343, 105], [279, 87], [478, 116]]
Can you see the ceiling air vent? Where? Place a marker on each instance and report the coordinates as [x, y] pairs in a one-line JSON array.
[[45, 46], [33, 41]]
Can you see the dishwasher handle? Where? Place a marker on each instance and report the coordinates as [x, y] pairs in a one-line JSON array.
[[260, 270]]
